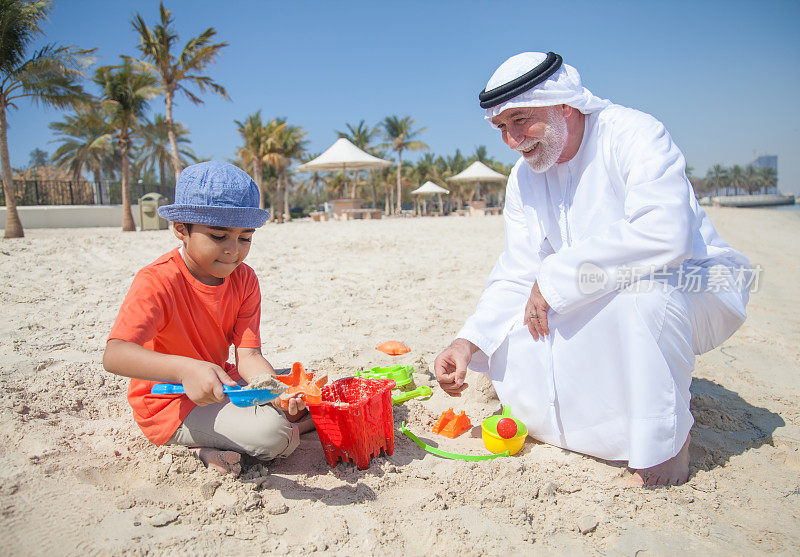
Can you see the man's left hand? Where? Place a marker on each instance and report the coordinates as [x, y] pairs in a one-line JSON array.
[[536, 313]]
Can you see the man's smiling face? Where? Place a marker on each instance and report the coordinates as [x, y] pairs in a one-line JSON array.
[[538, 134]]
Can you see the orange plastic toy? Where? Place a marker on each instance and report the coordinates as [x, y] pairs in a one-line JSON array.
[[306, 383], [452, 425], [393, 348]]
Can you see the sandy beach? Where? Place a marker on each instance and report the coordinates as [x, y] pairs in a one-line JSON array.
[[77, 476]]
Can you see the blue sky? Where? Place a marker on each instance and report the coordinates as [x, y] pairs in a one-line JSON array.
[[723, 76]]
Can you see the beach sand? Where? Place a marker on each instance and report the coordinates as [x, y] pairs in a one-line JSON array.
[[77, 476]]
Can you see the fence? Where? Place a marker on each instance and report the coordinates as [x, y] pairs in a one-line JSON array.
[[58, 192]]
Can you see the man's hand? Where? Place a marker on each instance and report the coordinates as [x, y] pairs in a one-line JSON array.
[[451, 366], [203, 382], [536, 313]]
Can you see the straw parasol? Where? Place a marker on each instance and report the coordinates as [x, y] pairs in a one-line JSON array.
[[478, 173], [344, 156], [431, 188]]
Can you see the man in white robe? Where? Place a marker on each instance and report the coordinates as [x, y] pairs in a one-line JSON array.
[[612, 280]]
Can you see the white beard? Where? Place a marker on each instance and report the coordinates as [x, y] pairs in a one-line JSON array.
[[550, 146]]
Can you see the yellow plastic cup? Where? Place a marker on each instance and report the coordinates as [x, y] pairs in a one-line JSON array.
[[496, 444]]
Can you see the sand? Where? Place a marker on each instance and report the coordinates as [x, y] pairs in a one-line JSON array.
[[77, 476], [267, 382]]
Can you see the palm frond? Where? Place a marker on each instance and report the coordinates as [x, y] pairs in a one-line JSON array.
[[51, 76], [19, 26], [204, 83]]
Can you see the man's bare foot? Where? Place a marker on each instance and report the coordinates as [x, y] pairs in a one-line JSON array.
[[674, 471], [224, 462]]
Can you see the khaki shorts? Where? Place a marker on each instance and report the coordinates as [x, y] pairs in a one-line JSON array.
[[260, 431]]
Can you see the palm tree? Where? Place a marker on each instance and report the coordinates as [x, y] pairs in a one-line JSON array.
[[769, 178], [85, 139], [426, 168], [50, 76], [155, 148], [126, 91], [38, 157], [481, 154], [360, 135], [175, 73], [717, 177], [375, 175], [456, 163], [737, 179], [294, 147], [400, 136], [313, 177], [430, 167], [752, 179], [336, 187], [699, 185], [386, 176], [448, 166], [260, 139], [107, 165], [289, 146]]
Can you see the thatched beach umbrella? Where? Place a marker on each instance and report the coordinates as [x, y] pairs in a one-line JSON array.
[[478, 173], [343, 156], [431, 188]]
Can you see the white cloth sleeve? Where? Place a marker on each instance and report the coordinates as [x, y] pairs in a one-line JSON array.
[[509, 285], [655, 232]]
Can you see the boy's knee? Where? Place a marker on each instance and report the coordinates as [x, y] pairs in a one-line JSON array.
[[273, 436]]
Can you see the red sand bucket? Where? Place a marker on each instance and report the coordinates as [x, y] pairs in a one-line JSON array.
[[354, 420]]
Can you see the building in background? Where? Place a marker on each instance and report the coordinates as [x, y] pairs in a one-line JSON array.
[[770, 196], [769, 161]]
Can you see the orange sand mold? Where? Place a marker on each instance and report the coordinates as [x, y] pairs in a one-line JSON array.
[[393, 348], [452, 425], [302, 382]]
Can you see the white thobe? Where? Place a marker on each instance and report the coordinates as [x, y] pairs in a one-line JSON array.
[[612, 378]]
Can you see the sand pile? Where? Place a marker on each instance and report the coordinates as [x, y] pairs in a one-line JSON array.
[[76, 475]]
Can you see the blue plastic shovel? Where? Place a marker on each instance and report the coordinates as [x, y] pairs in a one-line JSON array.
[[238, 395]]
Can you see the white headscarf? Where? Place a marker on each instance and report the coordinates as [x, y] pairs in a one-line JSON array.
[[563, 87]]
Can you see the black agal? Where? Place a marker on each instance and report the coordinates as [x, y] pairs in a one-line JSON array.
[[523, 83]]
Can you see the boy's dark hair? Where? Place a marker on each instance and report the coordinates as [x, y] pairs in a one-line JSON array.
[[188, 226]]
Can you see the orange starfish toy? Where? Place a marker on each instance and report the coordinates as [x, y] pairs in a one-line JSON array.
[[393, 348], [302, 382]]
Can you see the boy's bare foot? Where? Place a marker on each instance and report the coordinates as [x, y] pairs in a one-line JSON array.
[[294, 418], [305, 424], [224, 462], [674, 471]]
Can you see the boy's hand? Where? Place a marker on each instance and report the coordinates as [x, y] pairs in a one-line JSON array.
[[296, 407], [203, 382]]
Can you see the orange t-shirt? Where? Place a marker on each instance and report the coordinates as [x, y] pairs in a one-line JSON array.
[[169, 311]]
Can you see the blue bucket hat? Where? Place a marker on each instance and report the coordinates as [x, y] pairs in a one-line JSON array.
[[215, 194]]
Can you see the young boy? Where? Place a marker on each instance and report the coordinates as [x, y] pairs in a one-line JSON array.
[[180, 317]]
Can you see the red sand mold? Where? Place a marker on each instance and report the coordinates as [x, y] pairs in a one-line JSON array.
[[354, 420]]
